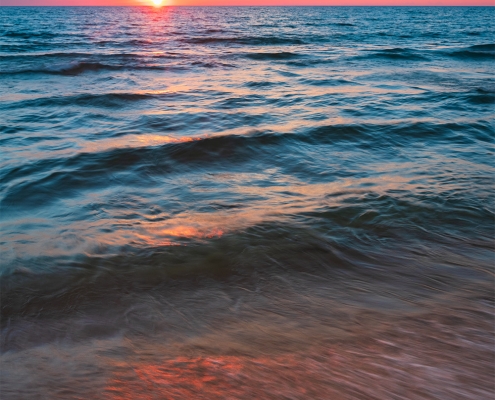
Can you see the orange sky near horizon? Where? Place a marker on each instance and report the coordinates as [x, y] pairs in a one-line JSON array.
[[249, 2]]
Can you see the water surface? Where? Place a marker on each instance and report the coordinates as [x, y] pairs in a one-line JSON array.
[[247, 202]]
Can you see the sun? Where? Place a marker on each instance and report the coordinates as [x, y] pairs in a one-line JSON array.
[[157, 3]]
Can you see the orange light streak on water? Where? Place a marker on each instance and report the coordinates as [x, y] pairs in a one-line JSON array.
[[169, 236]]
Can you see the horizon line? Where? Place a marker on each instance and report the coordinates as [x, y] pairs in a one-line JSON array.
[[258, 6]]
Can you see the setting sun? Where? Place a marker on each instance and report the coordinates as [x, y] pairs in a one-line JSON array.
[[157, 3]]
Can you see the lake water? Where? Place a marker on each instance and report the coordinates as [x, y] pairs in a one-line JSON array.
[[247, 202]]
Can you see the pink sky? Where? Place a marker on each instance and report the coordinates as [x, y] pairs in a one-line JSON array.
[[246, 2]]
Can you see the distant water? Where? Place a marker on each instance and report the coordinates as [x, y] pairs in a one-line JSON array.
[[247, 202]]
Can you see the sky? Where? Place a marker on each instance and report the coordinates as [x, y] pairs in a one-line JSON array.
[[245, 2]]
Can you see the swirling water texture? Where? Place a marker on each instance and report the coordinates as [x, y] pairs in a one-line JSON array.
[[148, 151]]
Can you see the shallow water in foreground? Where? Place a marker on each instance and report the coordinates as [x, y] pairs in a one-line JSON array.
[[247, 203]]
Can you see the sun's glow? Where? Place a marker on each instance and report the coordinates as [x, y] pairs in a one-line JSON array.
[[157, 3]]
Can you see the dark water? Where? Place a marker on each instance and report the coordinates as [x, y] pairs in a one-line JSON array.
[[247, 202]]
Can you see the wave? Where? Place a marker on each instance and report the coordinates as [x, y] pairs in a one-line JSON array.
[[328, 82], [247, 40], [83, 171], [347, 250], [107, 100], [126, 62], [472, 55], [23, 57], [481, 96], [79, 67], [395, 54], [260, 84], [37, 56], [310, 62], [30, 35], [71, 68], [476, 52], [66, 284], [212, 64], [285, 55], [483, 47], [212, 30], [126, 43]]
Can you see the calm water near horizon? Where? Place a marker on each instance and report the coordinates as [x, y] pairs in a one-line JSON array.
[[247, 202]]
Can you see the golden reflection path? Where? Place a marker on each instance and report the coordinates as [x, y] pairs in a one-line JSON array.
[[213, 378]]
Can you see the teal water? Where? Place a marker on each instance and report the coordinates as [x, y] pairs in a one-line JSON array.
[[240, 182]]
